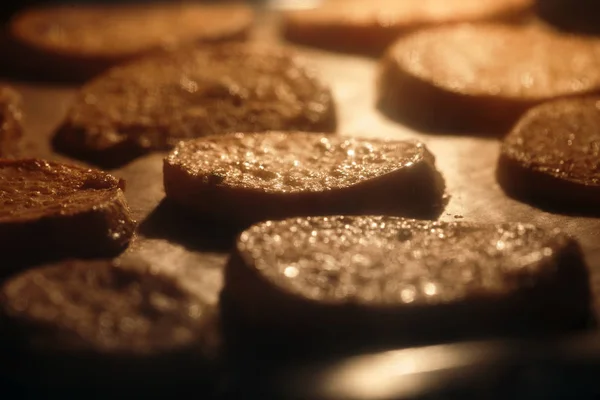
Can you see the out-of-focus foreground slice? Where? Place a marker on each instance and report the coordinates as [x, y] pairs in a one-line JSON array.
[[10, 122], [482, 78], [78, 41], [105, 323], [371, 26], [245, 178], [154, 103], [379, 279], [49, 209], [552, 156]]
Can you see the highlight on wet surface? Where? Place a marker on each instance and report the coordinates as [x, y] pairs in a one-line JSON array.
[[50, 209], [247, 178], [386, 279], [481, 78], [154, 103], [552, 157]]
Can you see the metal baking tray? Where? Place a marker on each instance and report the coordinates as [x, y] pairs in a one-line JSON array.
[[200, 250]]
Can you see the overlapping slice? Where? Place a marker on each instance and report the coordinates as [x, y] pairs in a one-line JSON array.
[[482, 78], [10, 122], [153, 103], [370, 26], [49, 209], [552, 156], [342, 278], [105, 323], [85, 39], [244, 178]]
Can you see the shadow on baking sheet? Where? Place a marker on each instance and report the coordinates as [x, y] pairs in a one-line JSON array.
[[544, 205], [168, 221], [16, 74], [20, 65], [19, 261], [257, 348], [573, 16], [429, 125], [12, 390], [532, 189]]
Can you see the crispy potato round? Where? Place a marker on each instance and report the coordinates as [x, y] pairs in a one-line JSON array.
[[340, 279], [154, 103], [245, 178], [57, 210], [482, 78], [552, 156], [80, 41], [371, 26]]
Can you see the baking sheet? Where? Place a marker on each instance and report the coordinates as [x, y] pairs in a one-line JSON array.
[[175, 243]]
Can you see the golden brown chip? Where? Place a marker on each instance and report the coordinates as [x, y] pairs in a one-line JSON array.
[[552, 156], [374, 279], [482, 78], [83, 40], [49, 209], [153, 103], [245, 178], [370, 26]]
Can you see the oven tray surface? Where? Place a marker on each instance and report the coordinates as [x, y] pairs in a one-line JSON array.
[[200, 249]]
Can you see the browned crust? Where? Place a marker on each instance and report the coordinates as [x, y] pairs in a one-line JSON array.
[[72, 68], [275, 319], [434, 105], [547, 191], [368, 39], [43, 62], [72, 141], [99, 229], [104, 230], [529, 170], [77, 139], [416, 191], [33, 348], [403, 96]]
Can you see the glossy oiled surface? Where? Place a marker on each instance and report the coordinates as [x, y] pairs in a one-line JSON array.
[[34, 188], [101, 306], [561, 139], [174, 243], [528, 63], [376, 261], [293, 162], [154, 103]]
